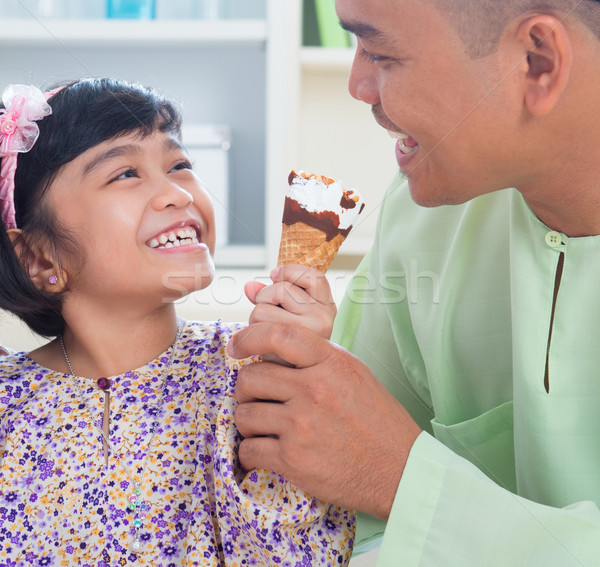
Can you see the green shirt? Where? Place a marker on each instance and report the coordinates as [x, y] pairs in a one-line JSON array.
[[452, 310]]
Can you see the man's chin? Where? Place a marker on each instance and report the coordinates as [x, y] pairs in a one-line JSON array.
[[429, 197]]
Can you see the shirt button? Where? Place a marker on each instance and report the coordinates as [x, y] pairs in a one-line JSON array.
[[553, 239]]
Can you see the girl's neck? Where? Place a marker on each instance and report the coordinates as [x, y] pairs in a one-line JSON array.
[[108, 344]]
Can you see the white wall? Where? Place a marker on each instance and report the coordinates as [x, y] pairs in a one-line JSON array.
[[339, 138]]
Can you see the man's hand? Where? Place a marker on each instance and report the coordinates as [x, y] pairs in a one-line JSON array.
[[299, 295], [327, 425]]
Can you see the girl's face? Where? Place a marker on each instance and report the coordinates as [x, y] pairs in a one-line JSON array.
[[143, 220]]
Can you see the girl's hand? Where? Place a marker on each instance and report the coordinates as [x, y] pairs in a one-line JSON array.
[[299, 295]]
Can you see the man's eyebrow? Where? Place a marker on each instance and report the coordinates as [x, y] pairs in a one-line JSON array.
[[107, 155], [365, 31]]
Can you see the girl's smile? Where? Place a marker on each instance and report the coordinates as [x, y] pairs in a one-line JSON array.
[[182, 237]]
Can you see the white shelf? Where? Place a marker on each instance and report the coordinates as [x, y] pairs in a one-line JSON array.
[[138, 32], [326, 59]]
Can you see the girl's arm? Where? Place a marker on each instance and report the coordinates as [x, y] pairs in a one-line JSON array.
[[299, 295]]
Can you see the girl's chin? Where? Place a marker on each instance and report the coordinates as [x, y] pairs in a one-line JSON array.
[[178, 284]]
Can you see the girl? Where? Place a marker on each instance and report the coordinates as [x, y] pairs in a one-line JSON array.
[[117, 444]]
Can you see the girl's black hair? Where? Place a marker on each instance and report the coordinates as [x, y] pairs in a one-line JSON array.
[[84, 114]]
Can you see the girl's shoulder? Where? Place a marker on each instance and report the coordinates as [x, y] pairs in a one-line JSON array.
[[19, 375], [208, 340], [209, 332], [17, 364]]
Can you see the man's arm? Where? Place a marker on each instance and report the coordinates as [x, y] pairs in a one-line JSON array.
[[327, 425], [448, 513]]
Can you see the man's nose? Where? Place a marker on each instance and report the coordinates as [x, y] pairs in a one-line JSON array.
[[362, 83]]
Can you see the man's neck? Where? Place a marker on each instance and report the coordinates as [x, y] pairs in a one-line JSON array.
[[568, 202]]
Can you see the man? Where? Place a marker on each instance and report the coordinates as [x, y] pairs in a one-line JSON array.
[[478, 306]]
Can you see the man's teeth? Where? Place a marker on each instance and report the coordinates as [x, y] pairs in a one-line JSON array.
[[404, 148], [402, 137], [173, 238]]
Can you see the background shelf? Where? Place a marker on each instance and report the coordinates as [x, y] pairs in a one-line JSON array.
[[326, 59], [132, 32]]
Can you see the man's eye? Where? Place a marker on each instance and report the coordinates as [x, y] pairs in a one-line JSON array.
[[372, 58]]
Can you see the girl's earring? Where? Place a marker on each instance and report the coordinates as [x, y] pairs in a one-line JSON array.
[[52, 280]]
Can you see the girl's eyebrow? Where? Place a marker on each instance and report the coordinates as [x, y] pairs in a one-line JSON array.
[[107, 155], [118, 151]]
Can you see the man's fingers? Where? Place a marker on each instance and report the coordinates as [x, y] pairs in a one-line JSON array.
[[298, 346], [263, 381], [256, 419], [260, 453]]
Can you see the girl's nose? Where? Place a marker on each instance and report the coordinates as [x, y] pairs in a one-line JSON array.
[[362, 83], [172, 195]]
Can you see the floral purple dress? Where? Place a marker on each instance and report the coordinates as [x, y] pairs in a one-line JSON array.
[[61, 504]]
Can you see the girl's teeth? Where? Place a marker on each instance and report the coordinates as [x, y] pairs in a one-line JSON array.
[[183, 237]]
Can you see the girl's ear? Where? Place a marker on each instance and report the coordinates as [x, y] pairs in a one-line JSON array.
[[545, 40], [43, 271]]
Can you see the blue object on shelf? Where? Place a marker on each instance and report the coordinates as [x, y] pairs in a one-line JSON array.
[[132, 9]]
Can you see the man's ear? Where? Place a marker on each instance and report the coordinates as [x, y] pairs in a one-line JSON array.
[[43, 271], [545, 40]]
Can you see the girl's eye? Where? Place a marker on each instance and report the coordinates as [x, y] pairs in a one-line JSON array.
[[182, 165], [126, 175]]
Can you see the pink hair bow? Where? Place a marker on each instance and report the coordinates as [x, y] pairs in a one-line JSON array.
[[24, 105]]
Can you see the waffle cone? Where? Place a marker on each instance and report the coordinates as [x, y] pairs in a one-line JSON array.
[[303, 244]]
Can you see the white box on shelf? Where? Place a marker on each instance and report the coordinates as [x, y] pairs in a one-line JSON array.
[[179, 9], [208, 147]]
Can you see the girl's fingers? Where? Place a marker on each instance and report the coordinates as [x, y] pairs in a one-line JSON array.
[[285, 294], [252, 288], [311, 280]]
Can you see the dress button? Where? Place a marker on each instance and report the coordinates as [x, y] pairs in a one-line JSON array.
[[553, 239]]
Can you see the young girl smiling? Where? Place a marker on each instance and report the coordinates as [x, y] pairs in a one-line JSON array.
[[117, 442]]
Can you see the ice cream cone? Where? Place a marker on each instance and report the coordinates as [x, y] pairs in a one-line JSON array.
[[317, 216], [306, 245]]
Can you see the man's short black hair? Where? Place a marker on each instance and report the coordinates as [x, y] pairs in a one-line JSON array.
[[481, 22]]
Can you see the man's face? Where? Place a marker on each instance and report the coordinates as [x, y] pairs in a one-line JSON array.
[[454, 115]]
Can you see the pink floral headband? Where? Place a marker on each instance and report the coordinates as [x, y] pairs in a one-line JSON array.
[[23, 106]]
